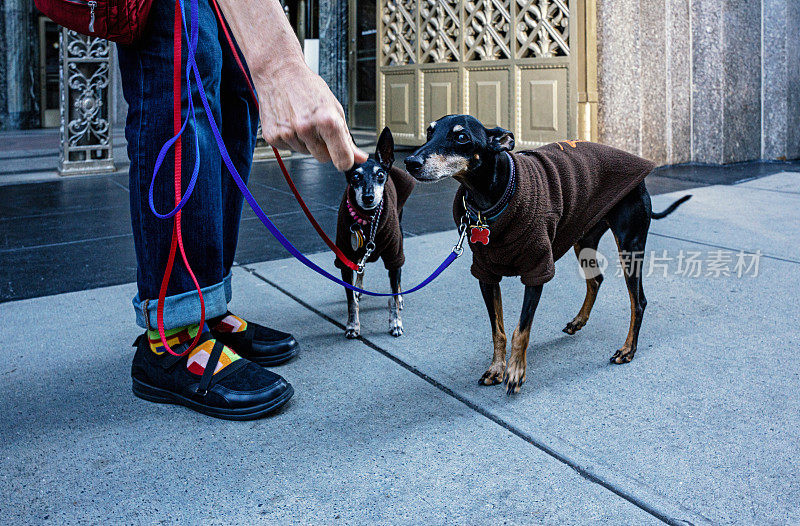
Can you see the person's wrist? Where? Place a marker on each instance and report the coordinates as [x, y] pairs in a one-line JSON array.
[[278, 70]]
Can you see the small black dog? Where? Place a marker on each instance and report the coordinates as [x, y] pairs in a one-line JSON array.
[[369, 227], [525, 210]]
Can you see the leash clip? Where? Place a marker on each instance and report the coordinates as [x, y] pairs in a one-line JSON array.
[[370, 248], [458, 248]]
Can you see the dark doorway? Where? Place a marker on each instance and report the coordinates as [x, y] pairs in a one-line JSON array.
[[49, 89], [361, 64]]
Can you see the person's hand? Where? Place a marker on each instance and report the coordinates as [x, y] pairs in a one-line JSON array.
[[299, 112]]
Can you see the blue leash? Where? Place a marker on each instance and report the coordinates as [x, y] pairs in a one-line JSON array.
[[191, 67]]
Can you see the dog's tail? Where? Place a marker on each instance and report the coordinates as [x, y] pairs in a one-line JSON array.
[[671, 208]]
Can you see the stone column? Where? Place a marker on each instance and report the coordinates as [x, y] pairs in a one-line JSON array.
[[727, 80], [741, 64], [333, 16], [18, 105], [711, 81], [793, 83], [708, 82], [780, 26]]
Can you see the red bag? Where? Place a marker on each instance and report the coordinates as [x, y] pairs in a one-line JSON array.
[[121, 21]]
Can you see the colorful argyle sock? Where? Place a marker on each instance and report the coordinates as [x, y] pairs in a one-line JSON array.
[[174, 338], [198, 357], [230, 323]]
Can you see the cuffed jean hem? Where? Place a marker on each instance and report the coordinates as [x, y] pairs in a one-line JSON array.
[[184, 309]]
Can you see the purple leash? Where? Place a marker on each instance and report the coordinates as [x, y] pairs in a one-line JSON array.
[[248, 196]]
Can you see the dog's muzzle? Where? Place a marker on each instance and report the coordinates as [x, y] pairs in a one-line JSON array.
[[414, 165]]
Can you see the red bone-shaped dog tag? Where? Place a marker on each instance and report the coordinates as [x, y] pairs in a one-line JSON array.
[[479, 235]]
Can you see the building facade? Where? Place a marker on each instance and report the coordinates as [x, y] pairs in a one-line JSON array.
[[710, 81]]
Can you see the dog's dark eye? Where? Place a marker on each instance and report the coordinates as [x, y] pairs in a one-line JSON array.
[[462, 138], [355, 179], [381, 177]]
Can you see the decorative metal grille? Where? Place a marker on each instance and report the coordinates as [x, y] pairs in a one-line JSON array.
[[542, 28], [440, 27], [487, 30], [400, 32], [86, 145]]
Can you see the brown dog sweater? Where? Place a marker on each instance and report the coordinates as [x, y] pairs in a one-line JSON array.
[[389, 236], [562, 190]]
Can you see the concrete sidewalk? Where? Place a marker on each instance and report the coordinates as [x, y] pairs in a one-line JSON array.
[[701, 427]]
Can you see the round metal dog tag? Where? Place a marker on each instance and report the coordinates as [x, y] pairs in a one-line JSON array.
[[356, 239]]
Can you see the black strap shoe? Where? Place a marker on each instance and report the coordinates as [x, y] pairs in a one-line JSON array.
[[259, 344], [241, 390]]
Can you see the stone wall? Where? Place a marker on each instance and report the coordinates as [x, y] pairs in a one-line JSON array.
[[685, 81]]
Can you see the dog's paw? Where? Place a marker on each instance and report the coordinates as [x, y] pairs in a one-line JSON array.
[[352, 331], [395, 321], [574, 326], [395, 324], [494, 374], [515, 377], [623, 355]]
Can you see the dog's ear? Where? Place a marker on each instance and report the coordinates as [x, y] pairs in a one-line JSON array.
[[500, 140], [384, 152]]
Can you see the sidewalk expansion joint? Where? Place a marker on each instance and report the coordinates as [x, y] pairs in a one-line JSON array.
[[640, 496], [62, 243], [712, 245]]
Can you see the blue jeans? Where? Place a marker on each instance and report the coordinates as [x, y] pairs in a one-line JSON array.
[[210, 219]]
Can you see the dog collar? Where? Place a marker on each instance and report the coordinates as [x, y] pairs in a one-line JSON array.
[[356, 214], [492, 213]]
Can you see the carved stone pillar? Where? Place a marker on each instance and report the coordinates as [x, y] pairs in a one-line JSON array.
[[333, 47], [18, 107], [86, 108]]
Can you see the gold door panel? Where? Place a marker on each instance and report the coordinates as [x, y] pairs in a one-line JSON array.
[[441, 94], [488, 96], [507, 62], [399, 99], [543, 104]]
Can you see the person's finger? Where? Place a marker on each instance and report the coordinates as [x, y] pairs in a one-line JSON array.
[[284, 137], [295, 143], [271, 137], [359, 155], [307, 133], [280, 145], [334, 133], [339, 108]]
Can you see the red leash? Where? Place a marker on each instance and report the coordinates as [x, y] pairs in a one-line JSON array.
[[289, 181], [176, 242], [177, 237]]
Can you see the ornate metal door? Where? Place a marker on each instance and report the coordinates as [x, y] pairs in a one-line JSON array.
[[507, 62]]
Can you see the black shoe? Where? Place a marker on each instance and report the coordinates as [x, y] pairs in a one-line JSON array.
[[240, 391], [257, 343]]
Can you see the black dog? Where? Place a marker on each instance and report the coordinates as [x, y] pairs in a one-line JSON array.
[[525, 210], [369, 227]]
